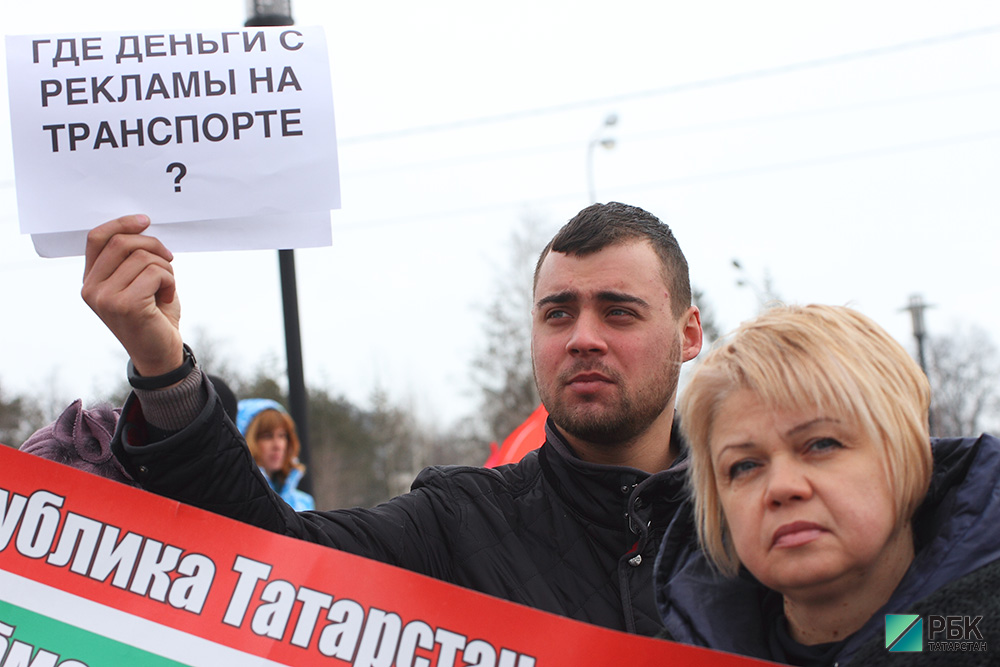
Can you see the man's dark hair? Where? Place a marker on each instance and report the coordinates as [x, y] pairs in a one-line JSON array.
[[603, 225]]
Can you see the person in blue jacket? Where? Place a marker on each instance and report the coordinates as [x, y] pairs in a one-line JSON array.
[[270, 434], [821, 504]]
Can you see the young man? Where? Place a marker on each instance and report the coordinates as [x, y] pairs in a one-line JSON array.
[[572, 529]]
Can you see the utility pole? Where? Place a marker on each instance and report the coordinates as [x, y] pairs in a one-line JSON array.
[[278, 13], [917, 308]]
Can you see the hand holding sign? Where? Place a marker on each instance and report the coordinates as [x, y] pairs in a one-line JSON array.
[[129, 283]]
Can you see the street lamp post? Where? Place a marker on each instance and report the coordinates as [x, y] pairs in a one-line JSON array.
[[278, 13], [269, 13], [598, 139]]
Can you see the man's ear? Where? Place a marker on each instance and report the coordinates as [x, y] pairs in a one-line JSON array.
[[691, 334]]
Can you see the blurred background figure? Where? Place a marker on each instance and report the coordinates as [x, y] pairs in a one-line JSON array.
[[270, 434], [226, 395], [82, 439]]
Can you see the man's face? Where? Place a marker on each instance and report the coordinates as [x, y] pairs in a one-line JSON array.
[[605, 347]]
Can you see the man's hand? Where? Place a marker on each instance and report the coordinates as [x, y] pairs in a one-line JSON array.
[[129, 282]]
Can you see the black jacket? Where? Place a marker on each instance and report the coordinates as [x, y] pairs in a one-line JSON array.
[[552, 531]]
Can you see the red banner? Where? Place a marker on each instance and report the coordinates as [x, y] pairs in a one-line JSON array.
[[93, 572]]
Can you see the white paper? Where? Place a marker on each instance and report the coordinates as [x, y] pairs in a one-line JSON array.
[[291, 230], [73, 86]]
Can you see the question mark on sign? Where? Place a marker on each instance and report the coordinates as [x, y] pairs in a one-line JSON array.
[[181, 172]]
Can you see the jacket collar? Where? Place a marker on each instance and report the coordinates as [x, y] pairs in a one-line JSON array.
[[603, 493]]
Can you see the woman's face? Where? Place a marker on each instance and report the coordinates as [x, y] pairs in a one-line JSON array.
[[272, 445], [806, 499]]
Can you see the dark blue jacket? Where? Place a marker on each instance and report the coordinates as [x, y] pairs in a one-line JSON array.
[[957, 536]]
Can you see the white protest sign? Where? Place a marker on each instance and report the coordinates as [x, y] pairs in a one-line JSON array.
[[182, 126], [291, 230]]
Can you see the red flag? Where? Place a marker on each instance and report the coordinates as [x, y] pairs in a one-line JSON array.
[[526, 437]]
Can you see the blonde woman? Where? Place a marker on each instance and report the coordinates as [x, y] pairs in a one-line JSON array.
[[820, 503]]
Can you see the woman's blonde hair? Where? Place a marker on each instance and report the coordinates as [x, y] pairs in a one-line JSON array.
[[268, 421], [830, 358]]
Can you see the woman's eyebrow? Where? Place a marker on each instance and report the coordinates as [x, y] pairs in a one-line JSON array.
[[736, 445], [812, 422]]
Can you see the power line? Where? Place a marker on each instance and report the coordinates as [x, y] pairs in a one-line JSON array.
[[749, 121], [673, 89], [818, 161], [681, 181]]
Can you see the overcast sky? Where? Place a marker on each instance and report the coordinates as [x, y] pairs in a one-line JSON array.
[[847, 150]]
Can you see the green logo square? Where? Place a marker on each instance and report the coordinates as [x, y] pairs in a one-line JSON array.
[[904, 633]]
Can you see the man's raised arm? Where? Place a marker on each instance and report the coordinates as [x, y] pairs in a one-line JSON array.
[[129, 282]]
